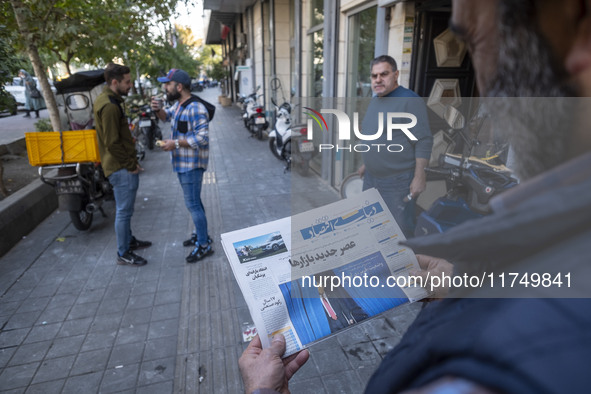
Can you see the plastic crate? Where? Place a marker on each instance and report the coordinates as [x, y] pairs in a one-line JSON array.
[[43, 148]]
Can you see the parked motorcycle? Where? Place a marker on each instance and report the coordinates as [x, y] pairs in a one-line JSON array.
[[253, 114], [81, 189], [470, 181], [148, 125], [280, 136], [79, 181]]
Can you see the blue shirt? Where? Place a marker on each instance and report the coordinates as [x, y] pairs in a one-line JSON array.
[[192, 125], [384, 163]]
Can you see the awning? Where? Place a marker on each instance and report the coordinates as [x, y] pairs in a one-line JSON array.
[[223, 13]]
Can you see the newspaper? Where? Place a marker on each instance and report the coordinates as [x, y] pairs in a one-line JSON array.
[[315, 273]]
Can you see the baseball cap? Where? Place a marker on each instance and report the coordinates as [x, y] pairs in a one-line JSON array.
[[176, 75]]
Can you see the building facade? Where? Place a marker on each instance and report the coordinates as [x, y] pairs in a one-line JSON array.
[[321, 49]]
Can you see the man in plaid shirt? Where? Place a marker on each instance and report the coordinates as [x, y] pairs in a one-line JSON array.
[[189, 147]]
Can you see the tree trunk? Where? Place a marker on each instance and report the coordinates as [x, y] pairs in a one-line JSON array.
[[38, 67]]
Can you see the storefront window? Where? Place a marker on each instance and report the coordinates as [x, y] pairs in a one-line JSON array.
[[360, 53], [317, 62], [362, 39], [317, 12]]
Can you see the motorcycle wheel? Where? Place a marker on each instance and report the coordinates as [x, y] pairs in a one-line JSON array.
[[259, 132], [286, 151], [147, 137], [81, 219], [274, 148], [142, 138]]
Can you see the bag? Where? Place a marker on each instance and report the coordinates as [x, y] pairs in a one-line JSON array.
[[35, 93], [208, 106]]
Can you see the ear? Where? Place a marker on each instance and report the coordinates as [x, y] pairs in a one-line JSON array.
[[578, 59]]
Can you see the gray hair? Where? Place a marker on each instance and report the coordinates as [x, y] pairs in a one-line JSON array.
[[384, 59]]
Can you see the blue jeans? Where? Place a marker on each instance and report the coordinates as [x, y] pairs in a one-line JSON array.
[[393, 190], [191, 185], [125, 185]]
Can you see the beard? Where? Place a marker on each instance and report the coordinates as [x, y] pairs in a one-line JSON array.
[[537, 118], [122, 92], [170, 97]]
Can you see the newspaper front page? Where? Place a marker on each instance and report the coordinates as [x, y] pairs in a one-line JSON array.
[[310, 275]]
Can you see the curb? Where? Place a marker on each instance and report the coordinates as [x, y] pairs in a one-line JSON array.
[[22, 211]]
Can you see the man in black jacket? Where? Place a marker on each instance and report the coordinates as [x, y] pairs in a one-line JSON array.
[[514, 337]]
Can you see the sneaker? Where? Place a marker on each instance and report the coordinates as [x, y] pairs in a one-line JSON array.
[[130, 258], [193, 241], [199, 252], [136, 244]]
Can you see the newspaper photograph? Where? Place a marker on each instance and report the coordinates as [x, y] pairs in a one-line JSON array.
[[313, 274]]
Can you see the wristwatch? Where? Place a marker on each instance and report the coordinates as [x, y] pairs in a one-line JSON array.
[[176, 144]]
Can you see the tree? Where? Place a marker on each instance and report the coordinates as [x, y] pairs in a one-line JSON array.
[[89, 31]]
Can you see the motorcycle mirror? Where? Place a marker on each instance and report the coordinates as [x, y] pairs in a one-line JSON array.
[[454, 118], [293, 92]]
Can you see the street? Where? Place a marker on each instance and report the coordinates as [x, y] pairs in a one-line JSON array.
[[73, 321]]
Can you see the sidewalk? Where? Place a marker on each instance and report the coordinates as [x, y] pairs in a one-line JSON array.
[[73, 321]]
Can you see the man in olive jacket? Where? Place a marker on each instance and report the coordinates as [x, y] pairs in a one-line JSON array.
[[119, 161]]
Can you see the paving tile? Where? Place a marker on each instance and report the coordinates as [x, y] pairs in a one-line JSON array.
[[168, 297], [43, 332], [72, 287], [6, 354], [344, 382], [141, 301], [9, 307], [54, 315], [126, 354], [163, 328], [330, 361], [65, 346], [55, 368], [62, 300], [362, 354], [111, 305], [81, 311], [144, 287], [379, 328], [108, 322], [165, 311], [21, 320], [75, 327], [30, 352], [17, 376], [119, 379], [131, 334], [54, 387], [157, 388], [160, 348], [87, 383], [136, 316], [34, 304], [99, 340], [91, 295], [155, 371], [312, 385], [90, 362]]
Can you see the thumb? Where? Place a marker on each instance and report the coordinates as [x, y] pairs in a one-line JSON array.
[[278, 345]]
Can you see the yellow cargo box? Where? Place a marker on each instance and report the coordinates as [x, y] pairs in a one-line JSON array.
[[45, 148]]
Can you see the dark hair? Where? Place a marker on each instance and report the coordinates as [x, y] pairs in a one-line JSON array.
[[115, 71], [384, 59]]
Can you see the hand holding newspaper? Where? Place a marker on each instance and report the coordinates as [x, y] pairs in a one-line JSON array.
[[321, 271]]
